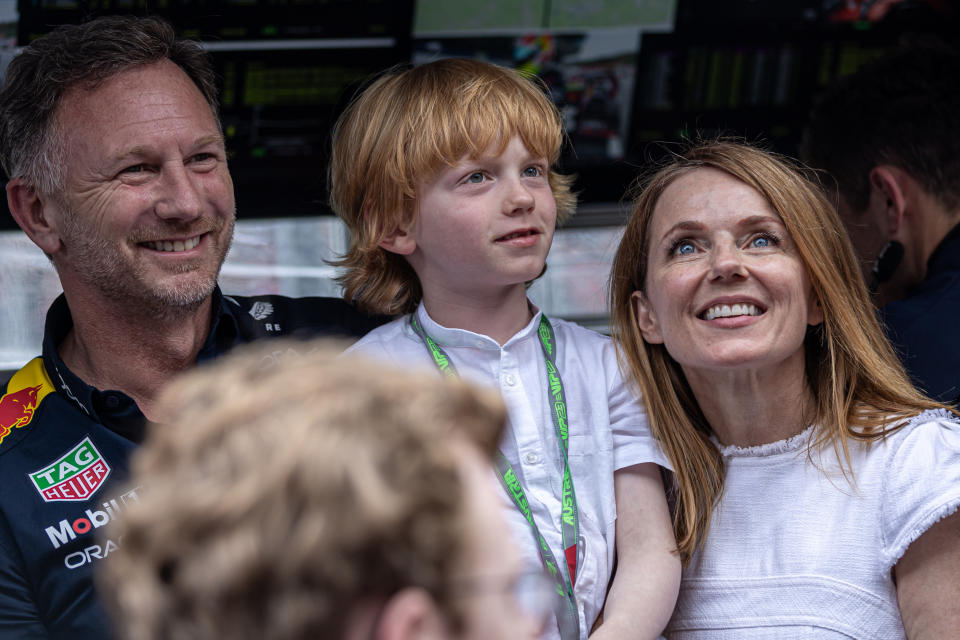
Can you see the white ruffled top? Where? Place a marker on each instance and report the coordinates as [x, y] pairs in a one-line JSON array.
[[797, 550]]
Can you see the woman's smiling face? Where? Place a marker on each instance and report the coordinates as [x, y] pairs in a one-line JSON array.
[[725, 287]]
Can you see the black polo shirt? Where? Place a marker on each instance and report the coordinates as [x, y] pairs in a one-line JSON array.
[[64, 452]]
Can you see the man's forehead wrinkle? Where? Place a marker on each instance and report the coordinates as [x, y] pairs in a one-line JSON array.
[[126, 88], [157, 124], [144, 149], [165, 123]]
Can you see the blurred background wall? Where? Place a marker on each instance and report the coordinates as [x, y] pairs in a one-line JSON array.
[[632, 78]]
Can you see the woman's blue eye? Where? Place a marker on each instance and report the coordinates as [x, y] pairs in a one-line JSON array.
[[683, 248], [762, 242]]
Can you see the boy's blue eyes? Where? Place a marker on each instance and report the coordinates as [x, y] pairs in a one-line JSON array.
[[478, 177]]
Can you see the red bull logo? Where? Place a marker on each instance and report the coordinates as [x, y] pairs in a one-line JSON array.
[[16, 409], [30, 385]]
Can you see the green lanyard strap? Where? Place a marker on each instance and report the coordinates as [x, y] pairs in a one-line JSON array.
[[568, 616]]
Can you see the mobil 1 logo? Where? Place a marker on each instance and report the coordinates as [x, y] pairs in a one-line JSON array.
[[73, 477]]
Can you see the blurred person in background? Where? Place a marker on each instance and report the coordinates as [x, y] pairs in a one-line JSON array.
[[889, 136], [322, 498], [110, 134]]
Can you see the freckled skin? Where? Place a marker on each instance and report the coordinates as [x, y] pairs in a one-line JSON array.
[[466, 208], [145, 162], [715, 239]]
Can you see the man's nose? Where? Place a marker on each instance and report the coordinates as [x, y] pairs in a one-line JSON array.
[[179, 195]]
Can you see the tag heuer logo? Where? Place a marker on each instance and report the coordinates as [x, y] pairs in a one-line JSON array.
[[74, 477], [261, 310]]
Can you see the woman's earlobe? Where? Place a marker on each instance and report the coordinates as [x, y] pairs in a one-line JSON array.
[[815, 315], [646, 318]]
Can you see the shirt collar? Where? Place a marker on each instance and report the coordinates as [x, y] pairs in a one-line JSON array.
[[452, 337], [947, 253], [112, 408], [224, 327]]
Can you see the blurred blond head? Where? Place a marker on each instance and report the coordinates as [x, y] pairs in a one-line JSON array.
[[281, 495]]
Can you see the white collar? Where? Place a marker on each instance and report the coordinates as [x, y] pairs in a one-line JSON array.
[[453, 337]]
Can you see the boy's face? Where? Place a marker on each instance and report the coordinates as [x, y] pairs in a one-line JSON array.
[[484, 225]]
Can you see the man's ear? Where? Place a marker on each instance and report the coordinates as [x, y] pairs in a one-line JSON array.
[[888, 197], [411, 614], [400, 240], [646, 318], [28, 208]]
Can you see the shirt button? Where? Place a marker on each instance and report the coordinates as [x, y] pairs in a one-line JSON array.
[[531, 458], [112, 401], [509, 379]]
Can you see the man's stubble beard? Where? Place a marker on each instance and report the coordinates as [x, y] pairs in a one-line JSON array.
[[102, 266]]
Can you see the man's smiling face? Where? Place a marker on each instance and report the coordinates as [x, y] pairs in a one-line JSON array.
[[147, 211]]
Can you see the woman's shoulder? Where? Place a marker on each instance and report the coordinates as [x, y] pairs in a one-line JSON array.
[[920, 479], [913, 446], [933, 427]]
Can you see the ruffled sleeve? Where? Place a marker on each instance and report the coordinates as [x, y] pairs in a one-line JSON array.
[[922, 481]]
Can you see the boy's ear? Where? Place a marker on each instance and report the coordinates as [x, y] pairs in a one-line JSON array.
[[400, 240]]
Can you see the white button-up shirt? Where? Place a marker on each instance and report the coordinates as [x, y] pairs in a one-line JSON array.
[[608, 430]]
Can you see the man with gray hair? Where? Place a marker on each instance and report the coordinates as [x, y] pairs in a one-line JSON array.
[[110, 135]]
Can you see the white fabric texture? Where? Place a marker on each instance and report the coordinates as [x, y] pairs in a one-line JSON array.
[[795, 551], [608, 430]]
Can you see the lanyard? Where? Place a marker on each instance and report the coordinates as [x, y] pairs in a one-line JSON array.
[[568, 616]]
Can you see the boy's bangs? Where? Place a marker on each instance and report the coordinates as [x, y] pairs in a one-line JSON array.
[[483, 118], [491, 123]]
